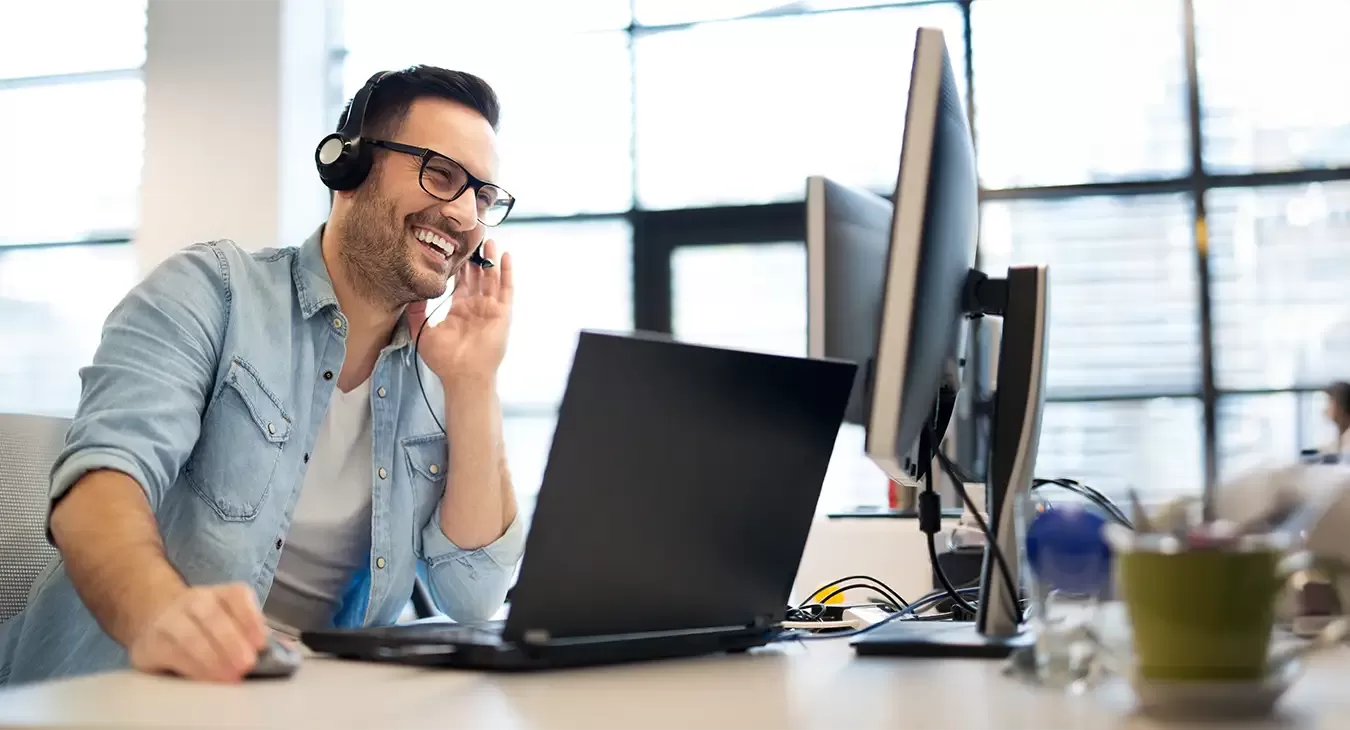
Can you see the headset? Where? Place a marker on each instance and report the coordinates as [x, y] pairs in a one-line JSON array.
[[344, 161]]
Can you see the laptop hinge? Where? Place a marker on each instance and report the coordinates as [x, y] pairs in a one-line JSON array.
[[542, 637]]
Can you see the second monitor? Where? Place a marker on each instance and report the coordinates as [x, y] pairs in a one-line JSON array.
[[891, 287]]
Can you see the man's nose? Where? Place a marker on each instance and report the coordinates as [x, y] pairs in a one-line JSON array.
[[461, 212]]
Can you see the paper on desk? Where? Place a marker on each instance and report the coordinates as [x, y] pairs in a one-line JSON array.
[[1312, 502]]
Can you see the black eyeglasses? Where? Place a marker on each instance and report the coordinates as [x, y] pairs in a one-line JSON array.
[[444, 179]]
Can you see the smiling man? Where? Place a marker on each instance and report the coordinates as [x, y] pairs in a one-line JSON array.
[[264, 438]]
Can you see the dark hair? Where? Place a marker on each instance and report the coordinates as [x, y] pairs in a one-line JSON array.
[[1339, 392], [388, 105]]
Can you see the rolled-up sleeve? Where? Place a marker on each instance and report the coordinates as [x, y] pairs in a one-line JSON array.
[[470, 585], [142, 397]]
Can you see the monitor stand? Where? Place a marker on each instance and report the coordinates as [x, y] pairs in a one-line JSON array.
[[1019, 400], [937, 640]]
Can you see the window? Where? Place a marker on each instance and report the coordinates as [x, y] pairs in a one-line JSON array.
[[1071, 92], [698, 122], [569, 277], [1271, 428], [1123, 324], [750, 297], [1123, 296], [56, 190], [67, 207], [665, 12], [370, 24], [566, 124], [1280, 261], [49, 331], [528, 437], [753, 297], [60, 37], [1276, 108], [742, 111], [1151, 445]]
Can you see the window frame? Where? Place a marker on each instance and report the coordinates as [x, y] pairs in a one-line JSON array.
[[108, 238], [112, 238], [658, 234]]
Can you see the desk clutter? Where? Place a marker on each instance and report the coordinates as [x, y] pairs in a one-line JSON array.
[[1212, 616], [1202, 617]]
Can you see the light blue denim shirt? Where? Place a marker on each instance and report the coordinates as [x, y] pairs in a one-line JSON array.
[[208, 388]]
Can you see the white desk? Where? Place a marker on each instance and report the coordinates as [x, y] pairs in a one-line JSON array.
[[817, 685]]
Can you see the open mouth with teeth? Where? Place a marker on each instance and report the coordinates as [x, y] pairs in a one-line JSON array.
[[434, 241]]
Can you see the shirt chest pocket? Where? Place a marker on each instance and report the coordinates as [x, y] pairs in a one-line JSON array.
[[425, 457], [243, 433]]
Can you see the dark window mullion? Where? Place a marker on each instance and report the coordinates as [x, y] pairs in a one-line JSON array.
[[1201, 233]]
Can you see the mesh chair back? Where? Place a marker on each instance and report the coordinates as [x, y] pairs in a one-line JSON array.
[[29, 446]]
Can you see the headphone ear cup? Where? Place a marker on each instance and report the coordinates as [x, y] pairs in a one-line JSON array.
[[343, 164]]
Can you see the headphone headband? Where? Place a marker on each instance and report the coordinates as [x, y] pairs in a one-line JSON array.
[[342, 160], [355, 122]]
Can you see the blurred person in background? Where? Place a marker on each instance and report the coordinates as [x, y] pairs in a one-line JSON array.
[[262, 438], [1338, 412]]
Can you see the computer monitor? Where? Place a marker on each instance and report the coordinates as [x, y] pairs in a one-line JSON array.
[[848, 232], [914, 305]]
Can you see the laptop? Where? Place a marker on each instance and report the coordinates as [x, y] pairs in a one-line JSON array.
[[675, 505]]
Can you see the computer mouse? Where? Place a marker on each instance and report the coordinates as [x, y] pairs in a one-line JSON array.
[[276, 659]]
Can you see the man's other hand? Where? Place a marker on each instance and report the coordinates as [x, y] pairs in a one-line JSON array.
[[209, 633]]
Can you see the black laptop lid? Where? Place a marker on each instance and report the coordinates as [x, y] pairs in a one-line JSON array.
[[680, 488]]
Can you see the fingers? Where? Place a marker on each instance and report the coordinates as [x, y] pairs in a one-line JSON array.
[[225, 652], [241, 603], [210, 633], [466, 281], [185, 653], [506, 288], [489, 279]]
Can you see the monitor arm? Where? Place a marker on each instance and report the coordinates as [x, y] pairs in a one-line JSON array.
[[1021, 300], [1019, 398], [983, 295]]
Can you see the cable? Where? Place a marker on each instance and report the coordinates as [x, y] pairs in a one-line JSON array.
[[417, 341], [1072, 485], [908, 611], [880, 587], [1090, 494], [930, 522], [944, 580], [853, 586], [959, 485], [417, 368]]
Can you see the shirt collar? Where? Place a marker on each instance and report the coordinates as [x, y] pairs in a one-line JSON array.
[[314, 288], [313, 285]]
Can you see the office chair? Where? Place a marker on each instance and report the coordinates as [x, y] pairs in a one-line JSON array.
[[29, 446]]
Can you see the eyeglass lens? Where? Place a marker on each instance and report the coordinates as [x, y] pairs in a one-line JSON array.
[[446, 179]]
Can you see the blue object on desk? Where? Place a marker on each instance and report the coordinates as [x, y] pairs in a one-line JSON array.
[[1067, 551]]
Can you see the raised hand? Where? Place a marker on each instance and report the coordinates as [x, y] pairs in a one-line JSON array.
[[469, 344]]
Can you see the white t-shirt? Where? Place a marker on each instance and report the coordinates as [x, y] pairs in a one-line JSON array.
[[329, 538]]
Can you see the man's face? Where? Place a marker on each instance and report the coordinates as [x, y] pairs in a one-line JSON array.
[[390, 210]]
